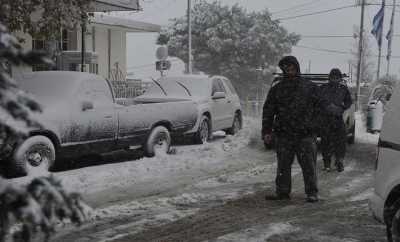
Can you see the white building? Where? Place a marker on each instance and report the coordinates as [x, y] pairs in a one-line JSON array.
[[104, 42]]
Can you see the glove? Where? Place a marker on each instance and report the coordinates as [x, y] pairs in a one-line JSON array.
[[267, 138], [334, 110]]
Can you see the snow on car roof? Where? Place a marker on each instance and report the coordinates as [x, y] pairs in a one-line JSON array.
[[53, 83]]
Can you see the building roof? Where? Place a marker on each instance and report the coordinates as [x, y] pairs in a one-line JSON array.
[[116, 5], [128, 25]]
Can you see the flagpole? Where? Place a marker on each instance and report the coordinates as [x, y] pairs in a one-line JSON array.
[[389, 37], [380, 42]]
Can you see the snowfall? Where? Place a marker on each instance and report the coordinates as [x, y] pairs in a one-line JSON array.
[[131, 197]]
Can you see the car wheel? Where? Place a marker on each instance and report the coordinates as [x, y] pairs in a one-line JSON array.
[[236, 125], [203, 133], [35, 155], [395, 228], [158, 142], [351, 139]]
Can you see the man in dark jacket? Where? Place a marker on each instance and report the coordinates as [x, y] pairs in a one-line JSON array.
[[289, 112], [336, 98]]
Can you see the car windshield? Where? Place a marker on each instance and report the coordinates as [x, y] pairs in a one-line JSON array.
[[166, 87], [198, 87]]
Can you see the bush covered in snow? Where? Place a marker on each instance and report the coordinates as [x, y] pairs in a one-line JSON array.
[[24, 211], [37, 208]]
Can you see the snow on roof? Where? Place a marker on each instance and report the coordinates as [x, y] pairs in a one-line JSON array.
[[125, 23], [118, 5]]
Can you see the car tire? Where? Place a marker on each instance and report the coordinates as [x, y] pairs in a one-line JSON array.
[[351, 139], [159, 140], [236, 125], [395, 228], [35, 155], [203, 134]]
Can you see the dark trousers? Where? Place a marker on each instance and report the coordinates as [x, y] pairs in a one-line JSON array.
[[333, 140], [305, 150]]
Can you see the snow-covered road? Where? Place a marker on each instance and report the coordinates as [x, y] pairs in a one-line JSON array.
[[214, 192]]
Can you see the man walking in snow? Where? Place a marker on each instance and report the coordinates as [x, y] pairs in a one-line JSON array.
[[336, 98], [289, 112]]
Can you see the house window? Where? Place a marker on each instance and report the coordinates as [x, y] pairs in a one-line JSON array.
[[39, 44], [64, 39]]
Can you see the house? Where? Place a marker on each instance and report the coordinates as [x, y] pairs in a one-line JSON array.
[[101, 47]]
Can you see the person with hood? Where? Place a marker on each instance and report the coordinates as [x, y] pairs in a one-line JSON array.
[[289, 112], [336, 98]]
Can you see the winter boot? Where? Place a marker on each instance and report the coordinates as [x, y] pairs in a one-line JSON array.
[[281, 196], [327, 165], [339, 166], [312, 198]]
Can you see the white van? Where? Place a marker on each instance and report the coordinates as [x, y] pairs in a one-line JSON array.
[[385, 201]]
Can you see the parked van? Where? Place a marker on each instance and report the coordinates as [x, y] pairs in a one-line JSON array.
[[385, 201]]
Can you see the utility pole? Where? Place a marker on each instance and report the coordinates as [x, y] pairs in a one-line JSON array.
[[83, 42], [360, 55], [189, 19]]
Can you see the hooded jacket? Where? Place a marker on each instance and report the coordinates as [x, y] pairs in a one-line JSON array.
[[291, 106]]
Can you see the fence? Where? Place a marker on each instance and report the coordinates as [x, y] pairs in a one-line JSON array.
[[125, 89], [252, 108]]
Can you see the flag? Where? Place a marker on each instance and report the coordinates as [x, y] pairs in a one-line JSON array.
[[390, 33], [377, 24]]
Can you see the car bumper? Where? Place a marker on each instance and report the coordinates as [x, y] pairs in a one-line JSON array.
[[376, 204]]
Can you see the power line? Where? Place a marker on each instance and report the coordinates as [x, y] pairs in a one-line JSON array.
[[332, 36], [295, 7], [318, 12], [335, 51]]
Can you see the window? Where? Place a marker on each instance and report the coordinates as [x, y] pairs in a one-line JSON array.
[[64, 39], [230, 86], [217, 86]]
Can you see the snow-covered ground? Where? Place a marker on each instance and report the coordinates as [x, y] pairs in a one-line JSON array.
[[134, 196]]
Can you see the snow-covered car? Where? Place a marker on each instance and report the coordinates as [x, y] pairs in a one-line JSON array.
[[218, 105], [81, 116], [378, 99], [348, 115], [385, 201]]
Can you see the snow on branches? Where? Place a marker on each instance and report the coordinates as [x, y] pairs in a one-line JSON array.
[[37, 208], [42, 17], [228, 40]]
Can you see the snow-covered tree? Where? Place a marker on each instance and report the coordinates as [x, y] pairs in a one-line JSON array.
[[228, 40], [42, 17], [367, 61], [37, 207]]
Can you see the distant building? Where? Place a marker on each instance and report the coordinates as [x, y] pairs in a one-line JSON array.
[[104, 42]]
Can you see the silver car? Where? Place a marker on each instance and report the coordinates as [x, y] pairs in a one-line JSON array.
[[218, 105]]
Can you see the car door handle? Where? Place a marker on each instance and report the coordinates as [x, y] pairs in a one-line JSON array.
[[229, 101], [108, 116]]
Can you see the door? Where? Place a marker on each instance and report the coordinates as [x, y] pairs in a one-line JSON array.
[[94, 118], [220, 107]]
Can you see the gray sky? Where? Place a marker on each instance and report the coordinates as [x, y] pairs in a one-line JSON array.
[[141, 47]]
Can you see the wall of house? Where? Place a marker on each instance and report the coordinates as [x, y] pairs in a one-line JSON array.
[[108, 55]]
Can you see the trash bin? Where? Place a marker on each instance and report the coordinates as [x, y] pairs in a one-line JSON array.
[[374, 116]]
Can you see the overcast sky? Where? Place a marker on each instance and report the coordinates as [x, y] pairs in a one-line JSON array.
[[141, 47]]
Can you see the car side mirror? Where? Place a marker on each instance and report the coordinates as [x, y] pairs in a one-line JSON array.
[[86, 105], [218, 95]]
